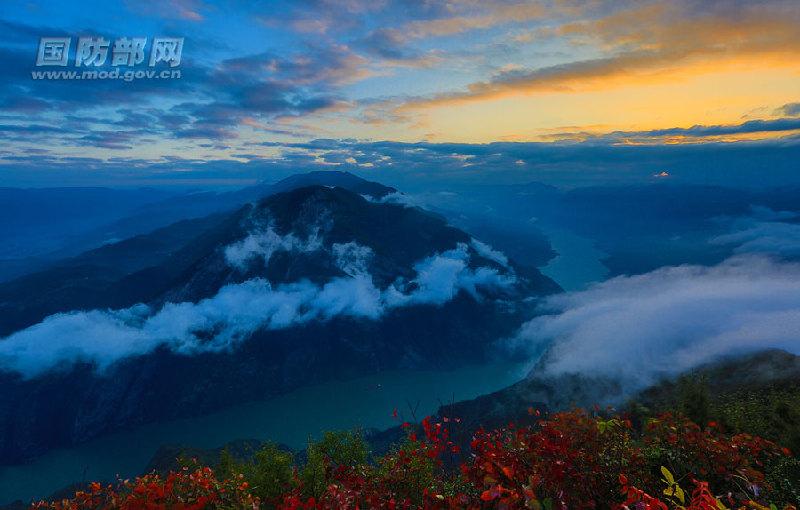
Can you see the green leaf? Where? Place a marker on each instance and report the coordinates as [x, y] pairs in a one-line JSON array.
[[667, 475]]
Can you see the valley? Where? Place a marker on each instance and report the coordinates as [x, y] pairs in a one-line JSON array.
[[290, 419]]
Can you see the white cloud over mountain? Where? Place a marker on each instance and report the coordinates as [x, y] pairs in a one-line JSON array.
[[266, 242], [224, 320]]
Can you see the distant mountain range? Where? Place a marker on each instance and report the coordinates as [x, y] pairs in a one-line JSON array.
[[318, 276], [42, 226], [639, 227], [177, 305]]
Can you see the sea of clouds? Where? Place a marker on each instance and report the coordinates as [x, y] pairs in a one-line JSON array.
[[641, 328], [219, 323], [636, 328]]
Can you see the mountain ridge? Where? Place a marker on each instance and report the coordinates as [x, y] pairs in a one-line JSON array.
[[402, 268]]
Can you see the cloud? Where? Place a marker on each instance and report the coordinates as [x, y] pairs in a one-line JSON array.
[[496, 13], [763, 233], [440, 277], [418, 21], [189, 10], [266, 242], [487, 252], [789, 109], [213, 99], [352, 258], [211, 325], [751, 126], [421, 165], [694, 133], [368, 59], [641, 328], [395, 197], [221, 322], [649, 42], [391, 46], [761, 213]]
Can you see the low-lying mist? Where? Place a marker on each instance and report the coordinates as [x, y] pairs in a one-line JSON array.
[[219, 323], [641, 328]]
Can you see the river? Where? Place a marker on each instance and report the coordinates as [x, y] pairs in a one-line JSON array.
[[294, 417], [578, 263], [289, 419]]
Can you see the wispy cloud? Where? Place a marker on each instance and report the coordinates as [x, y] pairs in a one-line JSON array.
[[789, 109], [191, 10], [382, 70], [265, 243], [766, 231], [641, 328], [651, 42], [595, 160], [692, 134], [236, 311]]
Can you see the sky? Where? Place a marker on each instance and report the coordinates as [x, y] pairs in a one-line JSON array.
[[554, 90]]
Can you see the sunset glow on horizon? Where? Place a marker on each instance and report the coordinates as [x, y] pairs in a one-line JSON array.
[[260, 79]]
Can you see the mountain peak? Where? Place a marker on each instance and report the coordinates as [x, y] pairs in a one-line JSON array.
[[311, 283], [333, 178]]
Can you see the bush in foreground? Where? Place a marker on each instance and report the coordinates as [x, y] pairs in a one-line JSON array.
[[570, 460]]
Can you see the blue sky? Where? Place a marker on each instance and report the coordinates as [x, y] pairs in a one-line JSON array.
[[268, 88]]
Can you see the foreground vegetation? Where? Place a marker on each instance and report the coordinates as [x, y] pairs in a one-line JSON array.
[[569, 460]]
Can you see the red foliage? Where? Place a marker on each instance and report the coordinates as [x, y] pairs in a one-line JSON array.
[[567, 459], [570, 460], [708, 453], [183, 490]]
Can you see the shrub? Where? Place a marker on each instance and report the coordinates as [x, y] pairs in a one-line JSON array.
[[569, 460], [336, 451], [269, 475]]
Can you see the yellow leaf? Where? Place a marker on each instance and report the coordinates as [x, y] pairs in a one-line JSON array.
[[679, 494], [667, 475]]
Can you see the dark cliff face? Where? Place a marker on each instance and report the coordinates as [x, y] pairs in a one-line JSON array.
[[311, 238]]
